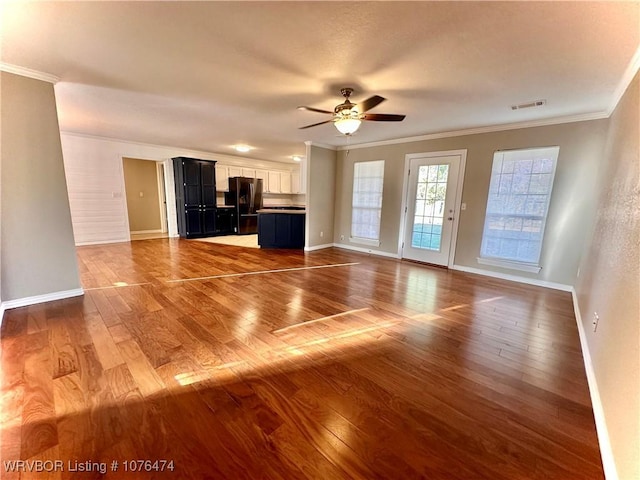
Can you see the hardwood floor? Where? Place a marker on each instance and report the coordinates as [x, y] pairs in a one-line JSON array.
[[249, 364]]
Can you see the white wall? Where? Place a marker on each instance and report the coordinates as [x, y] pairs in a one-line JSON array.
[[96, 183]]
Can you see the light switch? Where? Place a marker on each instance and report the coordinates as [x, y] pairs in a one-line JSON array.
[[142, 194], [463, 206]]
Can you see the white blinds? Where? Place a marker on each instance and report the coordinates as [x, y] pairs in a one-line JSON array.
[[368, 178], [519, 194]]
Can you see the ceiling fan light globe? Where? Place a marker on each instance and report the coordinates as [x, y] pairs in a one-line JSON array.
[[347, 126]]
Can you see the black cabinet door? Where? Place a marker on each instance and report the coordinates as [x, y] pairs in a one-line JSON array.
[[192, 183], [297, 231], [283, 229], [193, 222], [208, 183], [208, 221], [195, 182], [267, 230]]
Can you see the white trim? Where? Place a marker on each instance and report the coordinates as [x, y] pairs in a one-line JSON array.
[[365, 241], [309, 143], [307, 181], [27, 72], [142, 232], [222, 158], [162, 197], [523, 267], [48, 297], [488, 129], [608, 461], [625, 81], [514, 278], [366, 250], [462, 153], [2, 309], [102, 242], [318, 247]]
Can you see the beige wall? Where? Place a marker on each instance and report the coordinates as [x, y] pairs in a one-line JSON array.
[[581, 146], [609, 284], [38, 253], [321, 181], [141, 177]]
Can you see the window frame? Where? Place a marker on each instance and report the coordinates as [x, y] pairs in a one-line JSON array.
[[375, 242], [511, 263]]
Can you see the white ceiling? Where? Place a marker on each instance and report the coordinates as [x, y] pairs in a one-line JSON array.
[[206, 75]]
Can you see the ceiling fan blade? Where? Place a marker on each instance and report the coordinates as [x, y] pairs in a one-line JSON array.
[[311, 109], [369, 103], [383, 117], [315, 124]]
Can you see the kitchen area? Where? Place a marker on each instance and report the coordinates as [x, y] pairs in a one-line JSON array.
[[213, 199]]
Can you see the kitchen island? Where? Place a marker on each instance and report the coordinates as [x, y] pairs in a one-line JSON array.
[[281, 227]]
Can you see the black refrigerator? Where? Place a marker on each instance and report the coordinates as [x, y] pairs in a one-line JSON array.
[[246, 195]]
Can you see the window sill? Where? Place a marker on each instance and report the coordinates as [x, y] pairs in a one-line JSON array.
[[511, 265], [365, 241]]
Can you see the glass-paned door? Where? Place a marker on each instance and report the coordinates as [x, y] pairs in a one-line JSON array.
[[430, 208]]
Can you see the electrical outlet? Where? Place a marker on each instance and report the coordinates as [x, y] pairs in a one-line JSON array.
[[341, 237], [463, 206], [596, 319], [321, 234]]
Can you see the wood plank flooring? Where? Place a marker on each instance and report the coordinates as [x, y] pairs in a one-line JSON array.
[[251, 364]]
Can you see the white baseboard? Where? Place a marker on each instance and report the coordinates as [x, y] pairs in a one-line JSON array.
[[1, 313], [514, 278], [101, 242], [606, 453], [143, 232], [319, 247], [48, 297], [366, 250]]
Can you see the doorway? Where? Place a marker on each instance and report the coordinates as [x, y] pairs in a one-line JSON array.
[[432, 205], [146, 199]]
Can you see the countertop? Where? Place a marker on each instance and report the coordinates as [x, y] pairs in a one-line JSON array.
[[274, 210]]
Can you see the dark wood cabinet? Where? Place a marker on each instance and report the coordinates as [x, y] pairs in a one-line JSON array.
[[281, 230], [195, 182]]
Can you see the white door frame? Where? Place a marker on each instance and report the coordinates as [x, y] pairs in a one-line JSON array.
[[167, 215], [458, 200]]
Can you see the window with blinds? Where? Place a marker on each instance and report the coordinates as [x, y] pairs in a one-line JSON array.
[[517, 206], [368, 178]]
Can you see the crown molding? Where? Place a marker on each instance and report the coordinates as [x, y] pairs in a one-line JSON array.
[[474, 131], [27, 72], [310, 143], [625, 81]]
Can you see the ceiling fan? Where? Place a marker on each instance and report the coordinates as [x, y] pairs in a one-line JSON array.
[[347, 116]]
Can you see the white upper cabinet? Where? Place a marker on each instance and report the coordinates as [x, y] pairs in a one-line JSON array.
[[274, 181], [285, 182], [235, 171], [222, 178], [264, 176], [295, 182]]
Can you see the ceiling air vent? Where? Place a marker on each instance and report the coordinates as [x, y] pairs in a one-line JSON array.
[[537, 103]]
